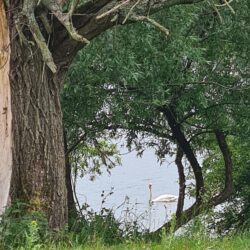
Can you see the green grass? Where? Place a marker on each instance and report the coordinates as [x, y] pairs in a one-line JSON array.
[[239, 242], [102, 232]]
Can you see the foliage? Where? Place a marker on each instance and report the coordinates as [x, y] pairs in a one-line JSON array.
[[235, 213], [92, 155], [22, 227], [201, 69], [102, 231], [135, 72], [196, 239]]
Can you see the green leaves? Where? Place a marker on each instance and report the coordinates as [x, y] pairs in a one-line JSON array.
[[119, 83]]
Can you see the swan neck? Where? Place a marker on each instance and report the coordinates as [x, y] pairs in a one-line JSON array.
[[150, 195]]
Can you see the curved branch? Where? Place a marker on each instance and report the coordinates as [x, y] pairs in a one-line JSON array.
[[185, 146], [228, 187], [198, 208]]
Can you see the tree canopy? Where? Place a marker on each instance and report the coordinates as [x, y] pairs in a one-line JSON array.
[[174, 78], [145, 82]]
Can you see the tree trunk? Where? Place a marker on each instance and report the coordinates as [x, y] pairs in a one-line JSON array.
[[197, 208], [38, 150], [5, 111], [38, 169], [182, 183], [72, 211]]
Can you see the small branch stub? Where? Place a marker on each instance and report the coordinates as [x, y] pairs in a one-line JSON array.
[[153, 22]]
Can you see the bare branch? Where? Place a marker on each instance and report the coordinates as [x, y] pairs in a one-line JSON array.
[[115, 8], [153, 22]]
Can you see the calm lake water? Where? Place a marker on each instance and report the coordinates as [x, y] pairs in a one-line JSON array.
[[130, 186]]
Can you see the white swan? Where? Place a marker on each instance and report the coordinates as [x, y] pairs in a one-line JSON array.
[[166, 198]]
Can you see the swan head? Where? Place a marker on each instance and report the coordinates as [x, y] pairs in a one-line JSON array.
[[150, 186]]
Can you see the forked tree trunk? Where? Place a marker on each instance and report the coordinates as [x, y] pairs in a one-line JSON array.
[[33, 148]]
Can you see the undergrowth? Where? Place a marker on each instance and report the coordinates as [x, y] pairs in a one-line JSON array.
[[21, 228]]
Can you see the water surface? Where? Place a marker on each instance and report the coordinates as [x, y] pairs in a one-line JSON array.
[[130, 185]]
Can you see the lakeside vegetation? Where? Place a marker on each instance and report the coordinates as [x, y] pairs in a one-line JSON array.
[[241, 242], [177, 83], [197, 240], [103, 232]]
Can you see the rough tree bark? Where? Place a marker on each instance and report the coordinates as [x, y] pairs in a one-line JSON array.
[[38, 149], [43, 43], [5, 111]]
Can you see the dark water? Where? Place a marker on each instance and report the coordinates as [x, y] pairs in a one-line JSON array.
[[130, 186]]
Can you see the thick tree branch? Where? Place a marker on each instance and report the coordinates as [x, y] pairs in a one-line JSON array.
[[89, 26]]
